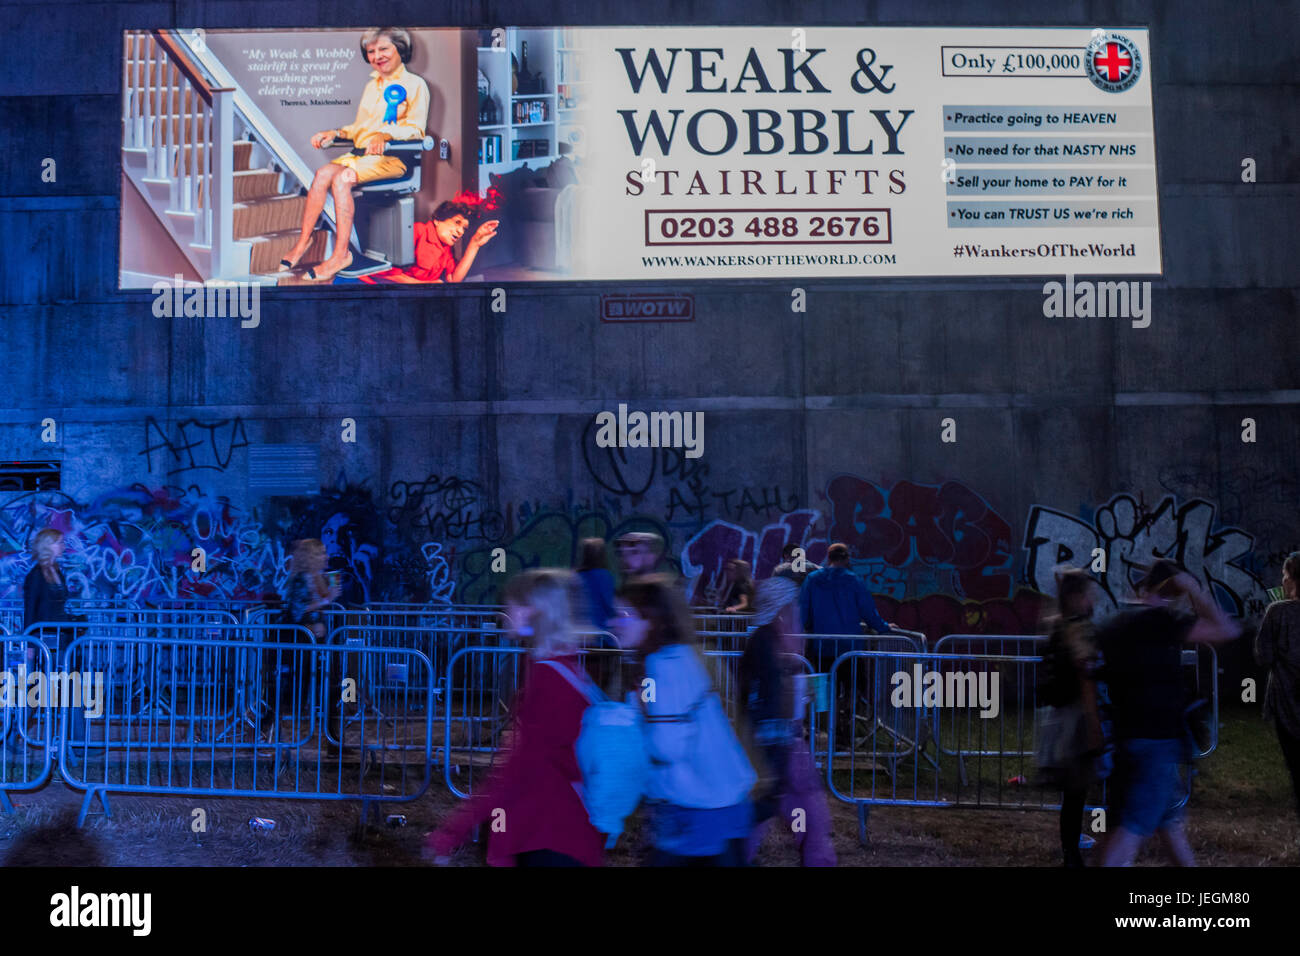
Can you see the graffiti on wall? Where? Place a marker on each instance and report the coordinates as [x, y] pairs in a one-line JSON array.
[[1271, 492], [906, 540], [938, 557], [137, 542], [1132, 537], [706, 553], [449, 507], [549, 538], [919, 539], [199, 446], [346, 521], [692, 501]]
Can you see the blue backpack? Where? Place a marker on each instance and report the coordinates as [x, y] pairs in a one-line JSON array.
[[611, 755]]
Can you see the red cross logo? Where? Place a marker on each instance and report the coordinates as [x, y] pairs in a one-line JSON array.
[[1114, 64]]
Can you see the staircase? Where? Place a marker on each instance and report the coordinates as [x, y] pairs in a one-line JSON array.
[[219, 194], [269, 219]]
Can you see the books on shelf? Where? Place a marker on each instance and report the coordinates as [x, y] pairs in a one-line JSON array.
[[530, 148], [489, 149], [566, 97], [531, 111]]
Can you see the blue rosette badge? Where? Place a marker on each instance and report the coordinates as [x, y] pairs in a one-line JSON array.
[[394, 96]]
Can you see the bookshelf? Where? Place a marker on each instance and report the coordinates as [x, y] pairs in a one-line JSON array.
[[535, 126]]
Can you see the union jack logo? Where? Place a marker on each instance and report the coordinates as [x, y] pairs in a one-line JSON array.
[[1113, 63]]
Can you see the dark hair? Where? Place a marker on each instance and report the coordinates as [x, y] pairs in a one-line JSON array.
[[396, 35], [656, 599], [788, 550], [1159, 574], [741, 567], [1071, 585], [450, 210], [591, 554], [837, 553], [1291, 566]]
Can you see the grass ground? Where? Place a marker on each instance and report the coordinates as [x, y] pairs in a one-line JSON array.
[[1242, 814]]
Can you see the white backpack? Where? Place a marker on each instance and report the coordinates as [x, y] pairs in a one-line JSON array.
[[611, 755], [699, 761]]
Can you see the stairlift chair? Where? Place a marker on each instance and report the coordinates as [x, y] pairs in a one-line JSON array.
[[383, 226]]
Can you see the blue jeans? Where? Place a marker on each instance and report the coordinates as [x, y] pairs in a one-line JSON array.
[[1147, 786], [685, 833]]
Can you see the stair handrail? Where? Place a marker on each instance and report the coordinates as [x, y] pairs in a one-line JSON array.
[[189, 142], [270, 137]]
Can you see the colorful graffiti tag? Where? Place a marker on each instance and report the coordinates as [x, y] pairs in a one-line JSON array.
[[906, 540], [1132, 537], [938, 557], [137, 543], [548, 538]]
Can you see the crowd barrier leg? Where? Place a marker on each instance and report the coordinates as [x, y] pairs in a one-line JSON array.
[[93, 794]]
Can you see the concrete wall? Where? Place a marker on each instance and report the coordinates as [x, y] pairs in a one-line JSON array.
[[473, 427]]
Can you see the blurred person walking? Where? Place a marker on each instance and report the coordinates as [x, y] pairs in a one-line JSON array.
[[1069, 729], [45, 589], [1141, 648], [1277, 649], [638, 554], [285, 672], [597, 582], [772, 709], [700, 776], [533, 798], [45, 596], [736, 596], [787, 565]]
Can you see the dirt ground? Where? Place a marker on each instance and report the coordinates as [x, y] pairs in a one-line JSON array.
[[1242, 815]]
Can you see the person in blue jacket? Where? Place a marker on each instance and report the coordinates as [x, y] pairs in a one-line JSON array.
[[835, 601], [597, 583]]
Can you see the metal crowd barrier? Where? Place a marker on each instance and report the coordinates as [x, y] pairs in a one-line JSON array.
[[260, 729], [11, 609], [180, 626], [1022, 675], [413, 606], [265, 615], [722, 622], [882, 737], [455, 687], [983, 777], [473, 739], [192, 698], [381, 677], [978, 762], [1019, 673], [26, 756]]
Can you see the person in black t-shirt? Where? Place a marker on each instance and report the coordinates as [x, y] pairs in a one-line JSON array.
[[1141, 647]]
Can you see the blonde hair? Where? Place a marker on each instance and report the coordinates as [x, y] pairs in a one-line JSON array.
[[550, 595], [307, 555], [44, 543]]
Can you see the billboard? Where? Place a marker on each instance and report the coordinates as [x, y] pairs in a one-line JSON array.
[[408, 156]]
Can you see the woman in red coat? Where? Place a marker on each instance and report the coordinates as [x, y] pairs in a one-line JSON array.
[[537, 817]]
